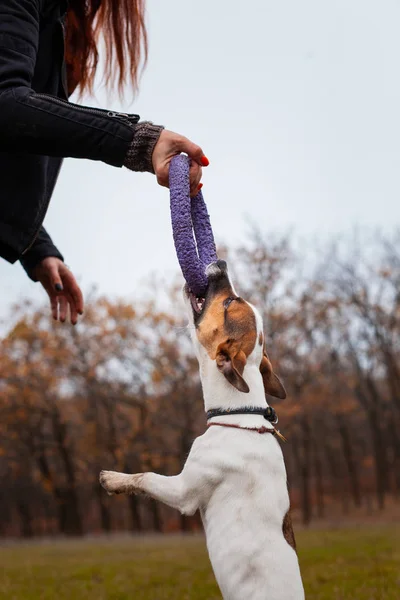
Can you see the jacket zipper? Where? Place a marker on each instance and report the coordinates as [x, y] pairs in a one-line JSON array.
[[94, 111], [128, 119]]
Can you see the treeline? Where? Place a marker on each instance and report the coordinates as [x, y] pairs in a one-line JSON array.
[[121, 391]]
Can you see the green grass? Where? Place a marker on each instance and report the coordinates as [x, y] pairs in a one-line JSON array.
[[346, 564], [351, 564]]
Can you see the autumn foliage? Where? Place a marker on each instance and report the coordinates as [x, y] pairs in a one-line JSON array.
[[122, 391]]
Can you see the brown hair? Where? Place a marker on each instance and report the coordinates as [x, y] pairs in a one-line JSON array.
[[118, 25]]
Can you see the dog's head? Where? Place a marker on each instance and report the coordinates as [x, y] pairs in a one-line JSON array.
[[228, 332]]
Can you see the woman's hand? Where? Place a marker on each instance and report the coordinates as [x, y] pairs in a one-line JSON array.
[[61, 287], [169, 145]]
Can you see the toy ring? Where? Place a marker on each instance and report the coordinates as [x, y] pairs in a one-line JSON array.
[[191, 227]]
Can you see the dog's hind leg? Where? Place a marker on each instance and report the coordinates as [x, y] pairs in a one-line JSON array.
[[173, 491]]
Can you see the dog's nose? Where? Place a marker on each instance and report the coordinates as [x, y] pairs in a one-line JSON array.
[[217, 269]]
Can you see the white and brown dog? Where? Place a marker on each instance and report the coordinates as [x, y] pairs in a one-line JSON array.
[[235, 473]]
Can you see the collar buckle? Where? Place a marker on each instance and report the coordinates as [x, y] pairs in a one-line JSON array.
[[270, 415]]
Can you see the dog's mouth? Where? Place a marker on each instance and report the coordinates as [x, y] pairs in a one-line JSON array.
[[197, 303]]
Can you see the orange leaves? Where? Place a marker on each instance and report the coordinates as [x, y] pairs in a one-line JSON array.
[[156, 376], [122, 390]]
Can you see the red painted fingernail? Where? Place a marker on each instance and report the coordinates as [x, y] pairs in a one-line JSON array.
[[199, 187], [204, 161]]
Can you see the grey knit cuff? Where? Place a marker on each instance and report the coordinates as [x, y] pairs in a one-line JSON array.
[[139, 155]]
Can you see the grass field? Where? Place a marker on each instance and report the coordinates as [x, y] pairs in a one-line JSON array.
[[345, 564]]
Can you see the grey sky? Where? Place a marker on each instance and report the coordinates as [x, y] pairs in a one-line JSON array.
[[296, 104]]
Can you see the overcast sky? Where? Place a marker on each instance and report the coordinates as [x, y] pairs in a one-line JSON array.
[[296, 104]]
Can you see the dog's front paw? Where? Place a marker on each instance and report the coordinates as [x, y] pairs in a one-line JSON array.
[[114, 483]]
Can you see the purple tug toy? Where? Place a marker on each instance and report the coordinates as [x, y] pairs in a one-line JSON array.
[[189, 216]]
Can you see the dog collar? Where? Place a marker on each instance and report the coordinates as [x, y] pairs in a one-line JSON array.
[[268, 413], [263, 429]]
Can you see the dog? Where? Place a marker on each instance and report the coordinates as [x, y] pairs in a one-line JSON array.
[[235, 473]]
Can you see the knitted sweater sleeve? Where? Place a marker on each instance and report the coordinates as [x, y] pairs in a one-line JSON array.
[[139, 155]]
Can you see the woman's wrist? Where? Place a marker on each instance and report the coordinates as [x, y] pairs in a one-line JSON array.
[[139, 155]]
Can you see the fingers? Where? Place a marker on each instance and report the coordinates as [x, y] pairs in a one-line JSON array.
[[72, 310], [54, 307], [74, 291], [169, 145], [64, 293], [54, 278], [63, 308], [194, 151], [198, 160], [195, 174], [71, 297], [59, 308], [163, 177]]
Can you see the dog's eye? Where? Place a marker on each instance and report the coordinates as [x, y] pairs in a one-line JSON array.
[[228, 301]]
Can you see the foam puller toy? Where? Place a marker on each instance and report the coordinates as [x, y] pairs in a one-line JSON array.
[[191, 227]]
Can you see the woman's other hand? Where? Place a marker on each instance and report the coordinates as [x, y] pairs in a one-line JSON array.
[[61, 287], [169, 145]]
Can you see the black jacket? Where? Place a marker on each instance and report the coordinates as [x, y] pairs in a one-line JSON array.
[[38, 126]]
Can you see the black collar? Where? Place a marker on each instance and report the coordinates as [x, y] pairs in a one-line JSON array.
[[268, 413]]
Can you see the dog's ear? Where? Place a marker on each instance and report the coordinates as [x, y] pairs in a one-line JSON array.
[[272, 384], [231, 363]]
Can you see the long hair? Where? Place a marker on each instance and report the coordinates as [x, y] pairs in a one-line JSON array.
[[119, 27]]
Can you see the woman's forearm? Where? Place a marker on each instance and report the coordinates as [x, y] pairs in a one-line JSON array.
[[42, 124]]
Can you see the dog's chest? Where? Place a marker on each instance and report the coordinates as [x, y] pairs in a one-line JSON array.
[[252, 481], [244, 514]]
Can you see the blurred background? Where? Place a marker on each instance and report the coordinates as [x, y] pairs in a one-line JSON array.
[[296, 106], [121, 391]]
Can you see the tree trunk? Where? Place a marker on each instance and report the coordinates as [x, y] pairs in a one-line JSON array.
[[136, 522], [105, 513], [335, 475], [155, 511], [306, 473], [369, 398], [71, 517], [349, 460], [319, 485], [393, 431], [380, 457], [303, 466], [26, 519]]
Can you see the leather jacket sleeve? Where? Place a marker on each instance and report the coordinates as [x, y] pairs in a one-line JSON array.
[[41, 248], [42, 124]]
